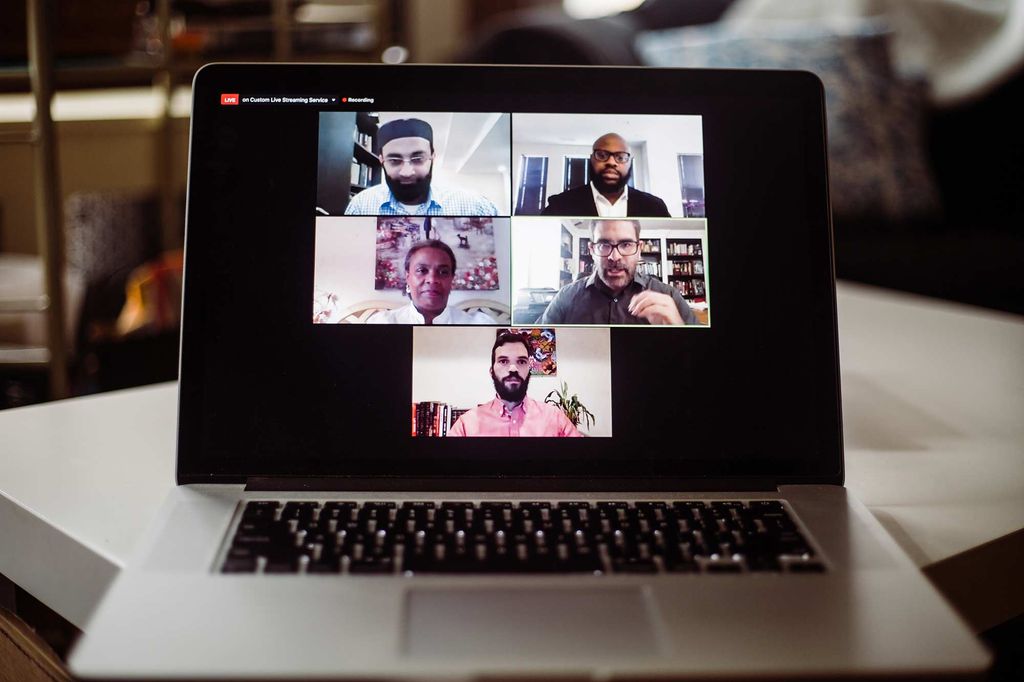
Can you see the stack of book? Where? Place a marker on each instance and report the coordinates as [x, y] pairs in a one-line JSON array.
[[433, 418]]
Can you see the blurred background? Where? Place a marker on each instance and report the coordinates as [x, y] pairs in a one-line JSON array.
[[925, 109], [924, 103]]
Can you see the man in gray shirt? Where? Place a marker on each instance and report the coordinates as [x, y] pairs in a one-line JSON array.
[[615, 293]]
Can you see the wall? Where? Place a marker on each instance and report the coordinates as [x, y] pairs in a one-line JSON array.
[[493, 186], [451, 365], [436, 29], [667, 139], [535, 259], [345, 263]]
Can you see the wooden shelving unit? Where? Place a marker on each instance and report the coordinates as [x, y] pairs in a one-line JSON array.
[[685, 258], [650, 258], [586, 260], [366, 168], [165, 69]]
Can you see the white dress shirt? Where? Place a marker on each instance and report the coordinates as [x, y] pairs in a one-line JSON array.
[[408, 314], [607, 209]]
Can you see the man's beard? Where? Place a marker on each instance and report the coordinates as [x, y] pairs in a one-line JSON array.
[[630, 272], [605, 187], [413, 193], [512, 395]]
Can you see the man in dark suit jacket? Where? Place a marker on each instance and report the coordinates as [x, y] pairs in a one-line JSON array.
[[611, 166]]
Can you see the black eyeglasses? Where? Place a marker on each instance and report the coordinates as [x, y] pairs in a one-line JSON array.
[[626, 248], [604, 155]]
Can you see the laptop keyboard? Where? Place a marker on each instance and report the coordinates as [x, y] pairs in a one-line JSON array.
[[389, 538]]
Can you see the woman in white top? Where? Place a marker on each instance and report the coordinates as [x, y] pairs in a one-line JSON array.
[[429, 275]]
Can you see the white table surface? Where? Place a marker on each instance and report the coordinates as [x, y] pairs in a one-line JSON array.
[[933, 398]]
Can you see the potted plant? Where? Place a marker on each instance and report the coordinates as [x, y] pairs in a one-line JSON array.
[[575, 410]]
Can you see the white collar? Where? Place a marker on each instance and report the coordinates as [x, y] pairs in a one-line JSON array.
[[607, 208], [413, 316]]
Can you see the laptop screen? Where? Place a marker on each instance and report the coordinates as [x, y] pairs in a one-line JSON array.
[[507, 272]]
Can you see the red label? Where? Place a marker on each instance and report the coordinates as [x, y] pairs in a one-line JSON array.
[[229, 98]]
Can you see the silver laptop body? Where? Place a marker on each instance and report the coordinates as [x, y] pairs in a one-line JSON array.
[[864, 610]]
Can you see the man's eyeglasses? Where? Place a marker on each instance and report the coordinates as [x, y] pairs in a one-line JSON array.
[[604, 155], [396, 162], [626, 248]]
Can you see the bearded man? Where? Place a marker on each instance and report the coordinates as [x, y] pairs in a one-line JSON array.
[[608, 193], [615, 293], [512, 412], [407, 157]]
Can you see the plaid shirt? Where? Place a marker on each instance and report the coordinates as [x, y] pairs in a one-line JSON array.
[[379, 200]]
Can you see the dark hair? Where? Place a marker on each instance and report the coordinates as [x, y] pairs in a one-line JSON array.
[[635, 223], [508, 336], [430, 244]]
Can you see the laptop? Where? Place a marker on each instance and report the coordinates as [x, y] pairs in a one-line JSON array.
[[509, 373]]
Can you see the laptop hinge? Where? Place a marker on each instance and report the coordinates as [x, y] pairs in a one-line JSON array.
[[505, 484]]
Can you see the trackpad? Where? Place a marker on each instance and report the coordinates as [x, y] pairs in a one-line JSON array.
[[514, 622]]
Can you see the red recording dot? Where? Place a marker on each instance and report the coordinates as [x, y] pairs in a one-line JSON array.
[[344, 99]]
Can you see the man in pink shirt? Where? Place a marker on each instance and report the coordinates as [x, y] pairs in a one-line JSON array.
[[512, 412]]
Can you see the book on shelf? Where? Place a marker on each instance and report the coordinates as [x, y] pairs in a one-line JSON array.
[[698, 267], [365, 141], [685, 248], [432, 419], [682, 268], [649, 268]]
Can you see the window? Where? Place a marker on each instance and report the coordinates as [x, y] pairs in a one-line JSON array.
[[576, 172], [691, 184], [533, 181]]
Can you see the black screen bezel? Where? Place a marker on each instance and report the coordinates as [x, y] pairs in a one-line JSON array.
[[531, 89]]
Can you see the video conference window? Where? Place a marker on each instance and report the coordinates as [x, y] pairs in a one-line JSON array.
[[608, 165], [510, 283], [511, 382], [413, 163], [609, 271], [412, 270]]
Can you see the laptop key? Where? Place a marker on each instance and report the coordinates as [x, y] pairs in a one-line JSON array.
[[281, 563], [634, 565], [239, 565], [325, 566], [372, 565], [528, 537]]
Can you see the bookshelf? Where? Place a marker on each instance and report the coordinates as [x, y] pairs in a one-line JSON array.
[[650, 258], [586, 260], [432, 419], [347, 163], [366, 169], [685, 261], [565, 254]]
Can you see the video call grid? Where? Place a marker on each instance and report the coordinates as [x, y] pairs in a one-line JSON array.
[[409, 126]]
